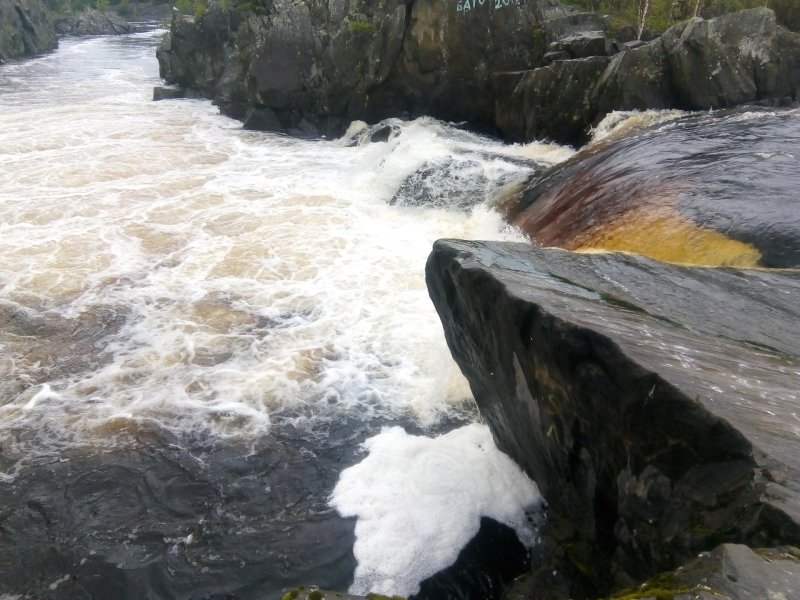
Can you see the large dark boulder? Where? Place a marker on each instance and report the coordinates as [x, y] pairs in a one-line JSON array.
[[201, 55], [737, 58], [556, 99], [655, 405], [26, 29]]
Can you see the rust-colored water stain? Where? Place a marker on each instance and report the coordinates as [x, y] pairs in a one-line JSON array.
[[663, 234], [712, 190]]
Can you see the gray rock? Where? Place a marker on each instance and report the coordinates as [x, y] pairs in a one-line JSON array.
[[732, 572], [262, 119], [584, 45], [656, 420], [737, 58], [551, 57], [553, 102], [93, 22], [26, 29], [172, 93]]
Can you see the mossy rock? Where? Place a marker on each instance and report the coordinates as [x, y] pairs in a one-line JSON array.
[[660, 587]]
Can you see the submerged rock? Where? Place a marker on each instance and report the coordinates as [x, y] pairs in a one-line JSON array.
[[705, 189], [461, 182], [655, 405], [26, 29]]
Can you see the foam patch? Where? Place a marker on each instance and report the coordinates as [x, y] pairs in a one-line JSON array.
[[419, 501]]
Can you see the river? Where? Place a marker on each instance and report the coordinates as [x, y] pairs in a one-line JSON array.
[[200, 326]]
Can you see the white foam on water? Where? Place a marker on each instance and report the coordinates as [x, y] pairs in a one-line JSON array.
[[620, 123], [418, 501], [254, 277]]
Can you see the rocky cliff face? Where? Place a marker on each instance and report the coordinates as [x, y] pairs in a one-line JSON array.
[[316, 65], [737, 58], [657, 422], [319, 64], [93, 22], [26, 28]]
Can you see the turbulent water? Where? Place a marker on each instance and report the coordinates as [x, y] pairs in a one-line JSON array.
[[199, 326]]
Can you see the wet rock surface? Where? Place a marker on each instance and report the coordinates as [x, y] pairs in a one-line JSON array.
[[656, 419], [731, 571], [26, 29], [485, 567], [704, 189]]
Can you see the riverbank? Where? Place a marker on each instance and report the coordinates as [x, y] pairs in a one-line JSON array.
[[32, 27], [27, 28]]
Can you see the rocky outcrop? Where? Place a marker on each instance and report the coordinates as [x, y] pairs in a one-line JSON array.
[[93, 22], [555, 101], [315, 66], [734, 59], [731, 572], [657, 422], [318, 65], [26, 29]]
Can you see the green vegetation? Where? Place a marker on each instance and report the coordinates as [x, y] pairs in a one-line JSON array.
[[660, 587], [191, 7], [658, 15], [361, 26]]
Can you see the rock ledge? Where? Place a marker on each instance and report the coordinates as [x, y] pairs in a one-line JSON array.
[[657, 421]]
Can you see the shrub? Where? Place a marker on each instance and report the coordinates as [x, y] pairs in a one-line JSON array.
[[361, 27]]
